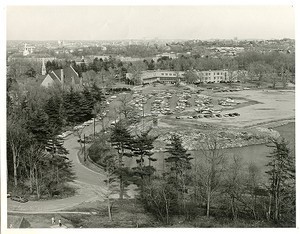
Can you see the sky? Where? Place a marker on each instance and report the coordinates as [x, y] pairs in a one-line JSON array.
[[147, 22]]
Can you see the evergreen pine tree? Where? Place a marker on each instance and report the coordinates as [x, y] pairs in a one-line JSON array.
[[86, 105], [54, 112], [97, 94], [178, 176], [281, 181], [121, 140], [142, 147], [72, 106], [178, 157], [38, 125]]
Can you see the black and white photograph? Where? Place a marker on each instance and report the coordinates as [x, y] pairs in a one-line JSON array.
[[148, 116]]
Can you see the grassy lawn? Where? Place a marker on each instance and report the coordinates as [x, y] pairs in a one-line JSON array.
[[125, 214], [131, 214], [40, 220]]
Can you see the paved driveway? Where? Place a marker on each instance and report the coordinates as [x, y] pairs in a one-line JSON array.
[[90, 185]]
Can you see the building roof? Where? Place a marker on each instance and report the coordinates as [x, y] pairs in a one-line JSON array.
[[68, 73], [70, 76]]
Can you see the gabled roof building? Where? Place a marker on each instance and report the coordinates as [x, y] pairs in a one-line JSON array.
[[66, 77]]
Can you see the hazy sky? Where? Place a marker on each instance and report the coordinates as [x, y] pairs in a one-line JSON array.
[[163, 22]]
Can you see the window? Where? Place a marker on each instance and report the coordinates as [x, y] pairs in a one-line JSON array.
[[218, 73]]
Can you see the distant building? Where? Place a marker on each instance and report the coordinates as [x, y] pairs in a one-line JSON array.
[[148, 77], [214, 76], [128, 59], [103, 48], [211, 76], [65, 77], [27, 50], [165, 55], [217, 76]]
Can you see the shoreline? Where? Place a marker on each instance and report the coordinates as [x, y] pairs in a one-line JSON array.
[[268, 125], [273, 123]]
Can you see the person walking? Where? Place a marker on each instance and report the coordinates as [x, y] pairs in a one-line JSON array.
[[53, 220], [59, 223]]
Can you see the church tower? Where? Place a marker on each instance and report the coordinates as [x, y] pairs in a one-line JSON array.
[[43, 68]]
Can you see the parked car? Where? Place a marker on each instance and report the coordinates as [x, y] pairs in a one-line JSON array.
[[19, 199]]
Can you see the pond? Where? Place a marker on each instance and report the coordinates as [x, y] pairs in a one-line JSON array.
[[256, 154]]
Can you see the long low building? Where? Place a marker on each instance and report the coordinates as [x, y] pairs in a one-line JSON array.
[[211, 76], [161, 76], [148, 77]]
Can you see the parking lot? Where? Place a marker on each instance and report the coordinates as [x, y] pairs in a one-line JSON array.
[[239, 108], [168, 101], [183, 105]]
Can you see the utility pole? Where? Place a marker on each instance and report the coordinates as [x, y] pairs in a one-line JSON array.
[[84, 147], [143, 114], [94, 113]]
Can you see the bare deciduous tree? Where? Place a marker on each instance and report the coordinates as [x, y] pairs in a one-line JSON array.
[[212, 166]]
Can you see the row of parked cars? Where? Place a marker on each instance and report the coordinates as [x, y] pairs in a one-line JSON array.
[[227, 89], [208, 115]]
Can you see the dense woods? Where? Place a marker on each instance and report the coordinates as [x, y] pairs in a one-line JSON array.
[[37, 162]]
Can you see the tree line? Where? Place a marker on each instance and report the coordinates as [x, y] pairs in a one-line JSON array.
[[271, 67], [37, 162]]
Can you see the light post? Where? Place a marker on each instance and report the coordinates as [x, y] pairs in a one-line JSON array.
[[84, 154]]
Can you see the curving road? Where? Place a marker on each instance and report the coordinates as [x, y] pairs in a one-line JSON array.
[[90, 185]]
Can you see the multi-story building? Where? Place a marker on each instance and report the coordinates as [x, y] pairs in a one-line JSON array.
[[214, 76]]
